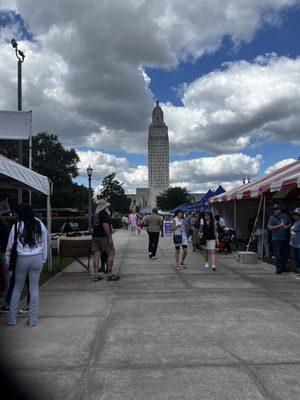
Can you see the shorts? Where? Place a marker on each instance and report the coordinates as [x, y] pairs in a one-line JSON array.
[[177, 246], [102, 244], [210, 245]]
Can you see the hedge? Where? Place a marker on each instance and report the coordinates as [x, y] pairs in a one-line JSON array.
[[57, 222]]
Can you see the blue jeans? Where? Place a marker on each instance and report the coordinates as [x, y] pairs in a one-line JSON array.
[[296, 258], [31, 265], [281, 253]]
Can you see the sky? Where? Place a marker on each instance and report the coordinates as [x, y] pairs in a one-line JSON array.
[[226, 73]]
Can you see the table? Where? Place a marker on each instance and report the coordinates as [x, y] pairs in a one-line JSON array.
[[75, 247]]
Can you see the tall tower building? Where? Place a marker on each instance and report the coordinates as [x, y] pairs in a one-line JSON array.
[[158, 155]]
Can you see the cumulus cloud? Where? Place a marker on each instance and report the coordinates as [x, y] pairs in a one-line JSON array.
[[279, 164], [198, 174], [84, 73], [224, 110]]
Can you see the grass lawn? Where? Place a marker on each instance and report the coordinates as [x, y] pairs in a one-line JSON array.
[[45, 275]]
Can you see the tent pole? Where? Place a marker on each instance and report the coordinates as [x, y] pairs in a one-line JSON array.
[[263, 228], [30, 151], [234, 216], [255, 223], [49, 231]]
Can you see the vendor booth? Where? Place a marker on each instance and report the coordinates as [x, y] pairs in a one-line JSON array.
[[242, 204], [16, 176]]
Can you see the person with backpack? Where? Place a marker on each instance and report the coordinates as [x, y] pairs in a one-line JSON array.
[[25, 254]]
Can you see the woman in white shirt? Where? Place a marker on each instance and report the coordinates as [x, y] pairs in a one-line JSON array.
[[31, 254], [180, 238]]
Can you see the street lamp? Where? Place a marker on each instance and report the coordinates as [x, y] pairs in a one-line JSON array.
[[20, 56], [89, 171]]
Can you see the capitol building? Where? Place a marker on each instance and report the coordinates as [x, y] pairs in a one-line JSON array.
[[158, 164]]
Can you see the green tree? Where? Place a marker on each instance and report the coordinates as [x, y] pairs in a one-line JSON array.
[[173, 197], [50, 158], [113, 192]]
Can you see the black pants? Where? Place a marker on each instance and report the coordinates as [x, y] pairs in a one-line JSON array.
[[281, 253], [104, 258], [153, 242], [11, 288]]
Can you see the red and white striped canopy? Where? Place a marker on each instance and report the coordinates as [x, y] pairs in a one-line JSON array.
[[285, 178]]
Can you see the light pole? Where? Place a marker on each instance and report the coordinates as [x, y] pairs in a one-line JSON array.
[[20, 56], [89, 171]]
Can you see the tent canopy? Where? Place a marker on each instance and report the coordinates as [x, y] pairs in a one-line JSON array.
[[285, 178], [16, 176]]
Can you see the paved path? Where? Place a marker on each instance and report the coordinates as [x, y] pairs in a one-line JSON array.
[[159, 334]]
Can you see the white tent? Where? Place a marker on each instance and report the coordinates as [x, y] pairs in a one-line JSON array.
[[16, 176]]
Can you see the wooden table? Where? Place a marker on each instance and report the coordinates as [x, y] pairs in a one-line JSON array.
[[75, 247]]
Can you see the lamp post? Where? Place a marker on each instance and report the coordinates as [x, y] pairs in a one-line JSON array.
[[89, 171], [20, 56]]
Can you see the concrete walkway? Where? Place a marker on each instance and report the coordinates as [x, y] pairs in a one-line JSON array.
[[161, 334]]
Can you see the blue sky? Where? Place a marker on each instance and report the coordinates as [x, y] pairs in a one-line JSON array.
[[91, 93]]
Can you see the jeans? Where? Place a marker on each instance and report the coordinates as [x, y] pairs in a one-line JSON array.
[[281, 253], [31, 265], [153, 242], [296, 258], [262, 245]]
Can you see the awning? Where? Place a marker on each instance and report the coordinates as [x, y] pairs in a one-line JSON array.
[[285, 178], [16, 176]]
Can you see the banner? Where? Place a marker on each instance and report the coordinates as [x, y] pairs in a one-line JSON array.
[[15, 125], [168, 228]]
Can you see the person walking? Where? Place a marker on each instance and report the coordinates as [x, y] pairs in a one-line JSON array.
[[210, 236], [102, 241], [133, 222], [180, 239], [31, 239], [139, 224], [295, 241], [279, 224], [154, 224], [194, 225], [4, 233]]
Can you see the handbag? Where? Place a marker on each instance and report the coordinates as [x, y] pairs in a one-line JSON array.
[[14, 254], [177, 239]]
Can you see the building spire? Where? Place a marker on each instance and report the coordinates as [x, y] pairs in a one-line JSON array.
[[157, 115]]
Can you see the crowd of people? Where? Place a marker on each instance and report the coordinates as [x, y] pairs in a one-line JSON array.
[[24, 247]]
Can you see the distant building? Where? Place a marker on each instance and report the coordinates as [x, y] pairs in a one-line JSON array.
[[158, 164], [158, 155]]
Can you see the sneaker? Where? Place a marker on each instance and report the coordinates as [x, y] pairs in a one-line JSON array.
[[150, 255], [4, 308], [153, 258], [214, 268], [24, 310], [206, 265], [31, 324]]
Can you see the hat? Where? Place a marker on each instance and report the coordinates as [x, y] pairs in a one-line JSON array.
[[277, 207], [296, 211], [155, 210], [101, 205]]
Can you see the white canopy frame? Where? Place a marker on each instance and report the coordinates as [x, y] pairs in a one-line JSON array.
[[16, 176]]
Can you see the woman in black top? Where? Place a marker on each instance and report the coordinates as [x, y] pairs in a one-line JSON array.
[[210, 234]]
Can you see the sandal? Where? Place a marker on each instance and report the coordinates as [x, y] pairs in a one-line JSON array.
[[113, 278], [178, 267], [98, 278]]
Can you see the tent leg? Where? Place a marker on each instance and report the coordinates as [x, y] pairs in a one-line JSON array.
[[263, 228], [49, 233]]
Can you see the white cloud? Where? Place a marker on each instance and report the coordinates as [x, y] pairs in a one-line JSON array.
[[84, 74], [279, 164], [198, 174], [224, 110]]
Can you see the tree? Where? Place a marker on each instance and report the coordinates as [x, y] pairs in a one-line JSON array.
[[173, 197], [113, 192], [50, 158]]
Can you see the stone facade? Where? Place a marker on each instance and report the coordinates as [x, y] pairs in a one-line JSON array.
[[158, 155]]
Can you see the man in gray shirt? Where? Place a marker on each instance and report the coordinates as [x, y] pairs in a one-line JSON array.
[[154, 224]]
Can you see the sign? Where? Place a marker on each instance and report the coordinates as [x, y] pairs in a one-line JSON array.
[[15, 125], [168, 228]]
